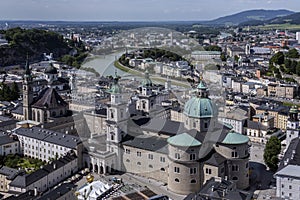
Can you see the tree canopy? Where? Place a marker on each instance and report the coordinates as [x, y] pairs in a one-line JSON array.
[[278, 58], [271, 152], [9, 93], [292, 53]]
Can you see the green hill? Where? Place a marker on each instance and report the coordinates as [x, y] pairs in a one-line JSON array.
[[249, 15], [291, 19], [32, 42]]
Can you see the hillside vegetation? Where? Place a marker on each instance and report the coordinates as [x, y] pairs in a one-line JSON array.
[[35, 43], [32, 42]]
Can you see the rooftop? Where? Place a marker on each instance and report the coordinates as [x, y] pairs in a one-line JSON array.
[[290, 171], [235, 138], [49, 136], [184, 140]]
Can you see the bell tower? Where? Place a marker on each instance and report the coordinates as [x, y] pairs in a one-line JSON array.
[[27, 92]]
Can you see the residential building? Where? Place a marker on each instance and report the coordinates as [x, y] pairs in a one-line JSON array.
[[293, 128], [46, 177], [8, 144], [45, 144], [288, 182]]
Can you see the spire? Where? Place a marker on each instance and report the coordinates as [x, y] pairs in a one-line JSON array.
[[147, 81], [27, 70]]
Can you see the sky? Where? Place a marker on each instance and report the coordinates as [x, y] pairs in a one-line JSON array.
[[133, 10]]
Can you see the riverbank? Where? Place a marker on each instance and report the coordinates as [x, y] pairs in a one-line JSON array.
[[129, 70]]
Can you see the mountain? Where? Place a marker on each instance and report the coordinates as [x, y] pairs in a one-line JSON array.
[[249, 15], [291, 19]]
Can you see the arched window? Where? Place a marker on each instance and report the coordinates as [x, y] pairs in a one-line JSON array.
[[162, 169], [193, 181], [127, 160], [112, 137], [234, 178], [138, 163], [111, 114], [53, 113], [177, 180], [144, 104], [150, 166]]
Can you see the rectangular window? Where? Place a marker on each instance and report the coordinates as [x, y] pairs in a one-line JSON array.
[[162, 159], [139, 154], [234, 168], [127, 151], [208, 171], [234, 154], [192, 156], [150, 156], [177, 155], [193, 170], [176, 170]]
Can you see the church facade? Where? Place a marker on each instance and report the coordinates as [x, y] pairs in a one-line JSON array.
[[184, 155]]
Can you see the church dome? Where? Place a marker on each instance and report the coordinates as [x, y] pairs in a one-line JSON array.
[[235, 138], [200, 108], [51, 70]]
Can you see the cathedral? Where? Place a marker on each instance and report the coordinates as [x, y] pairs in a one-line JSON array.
[[183, 154], [139, 136]]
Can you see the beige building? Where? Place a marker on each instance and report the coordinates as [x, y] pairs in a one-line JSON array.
[[184, 153], [7, 174]]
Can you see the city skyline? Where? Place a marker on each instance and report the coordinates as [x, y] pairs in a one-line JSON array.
[[133, 10]]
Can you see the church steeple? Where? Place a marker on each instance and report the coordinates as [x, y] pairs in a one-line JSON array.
[[27, 76], [27, 92], [202, 90]]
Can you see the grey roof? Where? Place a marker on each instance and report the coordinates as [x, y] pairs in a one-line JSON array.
[[292, 154], [8, 122], [150, 143], [164, 126], [5, 139], [3, 118], [256, 125], [289, 171], [215, 160], [49, 98], [10, 173], [219, 189], [58, 192], [53, 137], [22, 181], [17, 110]]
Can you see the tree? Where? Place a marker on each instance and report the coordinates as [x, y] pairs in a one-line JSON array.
[[278, 58], [272, 149], [15, 91], [223, 57], [292, 53]]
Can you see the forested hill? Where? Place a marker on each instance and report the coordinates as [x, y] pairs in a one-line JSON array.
[[32, 42], [250, 15]]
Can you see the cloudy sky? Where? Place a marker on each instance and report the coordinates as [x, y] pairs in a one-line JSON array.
[[133, 10]]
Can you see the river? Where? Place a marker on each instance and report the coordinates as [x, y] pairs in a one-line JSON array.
[[104, 64]]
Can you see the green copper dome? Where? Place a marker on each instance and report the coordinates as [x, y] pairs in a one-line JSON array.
[[202, 85], [235, 138], [147, 81], [115, 89], [200, 108], [183, 140]]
